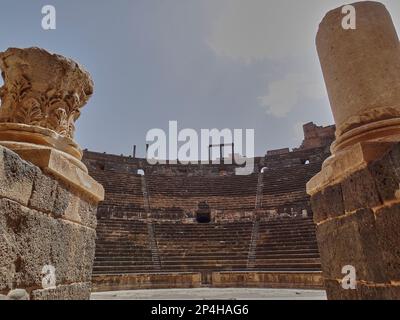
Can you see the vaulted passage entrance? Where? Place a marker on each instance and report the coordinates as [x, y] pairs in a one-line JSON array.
[[203, 213]]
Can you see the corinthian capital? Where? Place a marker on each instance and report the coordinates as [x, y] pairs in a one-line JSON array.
[[43, 90]]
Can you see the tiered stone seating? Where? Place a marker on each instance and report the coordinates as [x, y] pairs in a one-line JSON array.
[[284, 188], [220, 192], [122, 246], [283, 244], [203, 247], [123, 193], [287, 244], [176, 196]]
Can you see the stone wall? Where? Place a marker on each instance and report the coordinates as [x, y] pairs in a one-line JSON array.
[[355, 197], [138, 281], [120, 163], [317, 136], [358, 221], [43, 222], [265, 279], [315, 148], [244, 279]]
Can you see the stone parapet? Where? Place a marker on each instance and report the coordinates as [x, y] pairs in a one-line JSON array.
[[265, 279], [146, 281]]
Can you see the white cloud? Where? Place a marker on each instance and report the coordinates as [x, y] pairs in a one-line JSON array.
[[283, 95], [257, 29], [251, 30]]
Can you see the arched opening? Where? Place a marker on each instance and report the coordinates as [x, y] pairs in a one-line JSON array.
[[140, 172], [203, 213], [264, 169], [203, 217]]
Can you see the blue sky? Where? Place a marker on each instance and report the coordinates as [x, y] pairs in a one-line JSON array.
[[205, 63]]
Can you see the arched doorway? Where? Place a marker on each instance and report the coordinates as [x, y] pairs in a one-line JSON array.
[[203, 213]]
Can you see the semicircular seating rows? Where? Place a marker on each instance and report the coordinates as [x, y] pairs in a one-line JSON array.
[[163, 237]]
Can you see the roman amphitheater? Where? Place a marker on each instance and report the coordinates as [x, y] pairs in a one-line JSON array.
[[78, 222], [202, 225]]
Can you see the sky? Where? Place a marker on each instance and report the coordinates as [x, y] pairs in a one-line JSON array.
[[237, 64]]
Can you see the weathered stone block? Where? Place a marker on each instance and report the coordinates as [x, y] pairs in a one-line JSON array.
[[359, 191], [388, 234], [327, 203], [18, 294], [75, 291], [112, 282], [87, 211], [363, 291], [33, 239], [62, 200], [16, 177], [351, 240], [394, 155], [265, 279], [10, 263], [69, 206], [40, 225], [43, 193], [385, 176]]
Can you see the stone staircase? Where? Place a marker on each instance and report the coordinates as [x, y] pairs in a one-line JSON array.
[[153, 247], [259, 192], [253, 244], [282, 244], [145, 194]]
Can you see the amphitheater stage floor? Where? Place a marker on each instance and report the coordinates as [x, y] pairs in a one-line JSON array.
[[211, 294]]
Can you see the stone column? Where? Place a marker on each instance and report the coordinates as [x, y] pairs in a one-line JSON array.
[[48, 201], [356, 196]]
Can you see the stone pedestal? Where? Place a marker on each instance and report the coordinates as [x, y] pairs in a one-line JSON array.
[[356, 196], [48, 201]]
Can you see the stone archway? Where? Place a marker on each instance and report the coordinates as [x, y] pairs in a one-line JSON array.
[[203, 213]]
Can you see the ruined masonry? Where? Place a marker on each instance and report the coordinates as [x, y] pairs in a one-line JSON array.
[[334, 202], [185, 226], [48, 201], [356, 196]]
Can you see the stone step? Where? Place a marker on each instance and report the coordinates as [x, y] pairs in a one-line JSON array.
[[221, 260], [212, 257], [224, 267]]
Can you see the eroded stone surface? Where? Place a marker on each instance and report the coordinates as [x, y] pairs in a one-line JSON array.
[[18, 294], [42, 89], [361, 67], [43, 226], [365, 235], [48, 202], [75, 291], [16, 177], [36, 240], [351, 240]]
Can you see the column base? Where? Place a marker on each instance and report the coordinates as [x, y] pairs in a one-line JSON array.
[[356, 205], [61, 165]]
